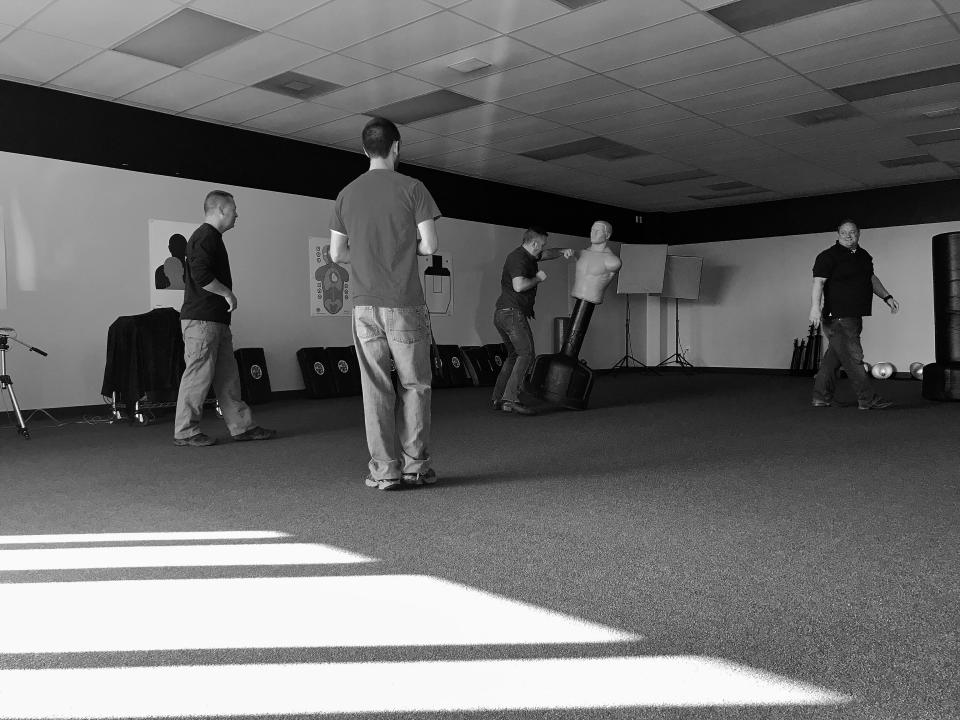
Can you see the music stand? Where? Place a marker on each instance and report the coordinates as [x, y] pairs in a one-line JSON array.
[[681, 282]]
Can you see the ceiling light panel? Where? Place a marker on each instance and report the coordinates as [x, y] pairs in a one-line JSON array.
[[542, 140], [342, 23], [670, 178], [600, 22], [746, 15], [752, 95], [421, 107], [825, 115], [38, 57], [931, 138], [596, 146], [419, 41], [470, 65], [260, 15], [509, 15], [665, 39], [901, 83], [910, 160], [101, 23], [184, 38], [902, 63], [775, 109], [843, 22], [261, 57], [501, 53]]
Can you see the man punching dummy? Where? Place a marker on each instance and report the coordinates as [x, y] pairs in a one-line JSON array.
[[561, 379]]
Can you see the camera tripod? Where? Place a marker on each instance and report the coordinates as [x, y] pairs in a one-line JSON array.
[[6, 383]]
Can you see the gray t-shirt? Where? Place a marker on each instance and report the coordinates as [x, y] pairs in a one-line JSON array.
[[379, 213]]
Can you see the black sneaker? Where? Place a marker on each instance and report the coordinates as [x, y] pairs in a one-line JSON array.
[[877, 404], [497, 405], [519, 408], [422, 478], [255, 433], [385, 484], [198, 440]]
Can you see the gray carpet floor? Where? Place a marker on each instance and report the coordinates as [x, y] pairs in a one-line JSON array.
[[711, 515]]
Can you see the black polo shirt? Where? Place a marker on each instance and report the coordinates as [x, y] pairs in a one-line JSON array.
[[848, 291], [207, 261], [519, 263]]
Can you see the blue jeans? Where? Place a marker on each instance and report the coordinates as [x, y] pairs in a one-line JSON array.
[[844, 349], [208, 352], [397, 421], [514, 328]]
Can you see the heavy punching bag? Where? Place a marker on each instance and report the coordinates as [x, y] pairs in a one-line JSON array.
[[941, 380]]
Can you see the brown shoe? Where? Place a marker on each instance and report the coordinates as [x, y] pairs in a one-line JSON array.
[[255, 433], [198, 440]]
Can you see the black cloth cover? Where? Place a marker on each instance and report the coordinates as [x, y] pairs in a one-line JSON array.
[[144, 355], [946, 297], [941, 381]]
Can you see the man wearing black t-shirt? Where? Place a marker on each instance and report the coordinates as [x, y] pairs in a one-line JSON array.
[[843, 288], [518, 283], [208, 302]]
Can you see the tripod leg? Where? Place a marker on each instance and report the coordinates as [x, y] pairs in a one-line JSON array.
[[7, 384]]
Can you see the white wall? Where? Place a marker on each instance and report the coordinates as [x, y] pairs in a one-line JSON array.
[[77, 258]]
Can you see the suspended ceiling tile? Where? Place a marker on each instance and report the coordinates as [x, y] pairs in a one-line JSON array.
[[843, 22], [17, 12], [752, 95], [909, 100], [101, 23], [468, 119], [612, 105], [242, 105], [626, 169], [654, 42], [500, 54], [184, 37], [182, 90], [509, 15], [346, 129], [341, 70], [518, 127], [5, 30], [897, 64], [433, 146], [261, 57], [377, 92], [871, 45], [599, 22], [548, 138], [635, 119], [759, 128], [260, 15], [776, 109], [470, 156], [719, 81], [535, 76], [435, 35], [947, 151], [295, 118], [111, 74], [342, 23], [38, 57], [715, 56], [571, 93], [686, 143]]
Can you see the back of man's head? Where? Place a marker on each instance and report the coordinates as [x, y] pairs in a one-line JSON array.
[[378, 137]]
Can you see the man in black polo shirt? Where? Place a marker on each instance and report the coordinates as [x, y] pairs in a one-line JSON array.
[[843, 288], [208, 302], [518, 283]]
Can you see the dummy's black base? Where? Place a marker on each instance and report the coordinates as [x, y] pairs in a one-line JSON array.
[[941, 381], [561, 380]]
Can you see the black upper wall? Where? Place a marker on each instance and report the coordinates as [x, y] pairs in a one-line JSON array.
[[65, 126], [104, 133]]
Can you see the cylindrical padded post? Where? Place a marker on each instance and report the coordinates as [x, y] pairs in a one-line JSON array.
[[946, 297], [579, 321]]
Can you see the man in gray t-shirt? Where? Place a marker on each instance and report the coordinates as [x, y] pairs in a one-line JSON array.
[[374, 228]]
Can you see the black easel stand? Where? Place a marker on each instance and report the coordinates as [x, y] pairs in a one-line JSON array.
[[628, 358], [678, 358]]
